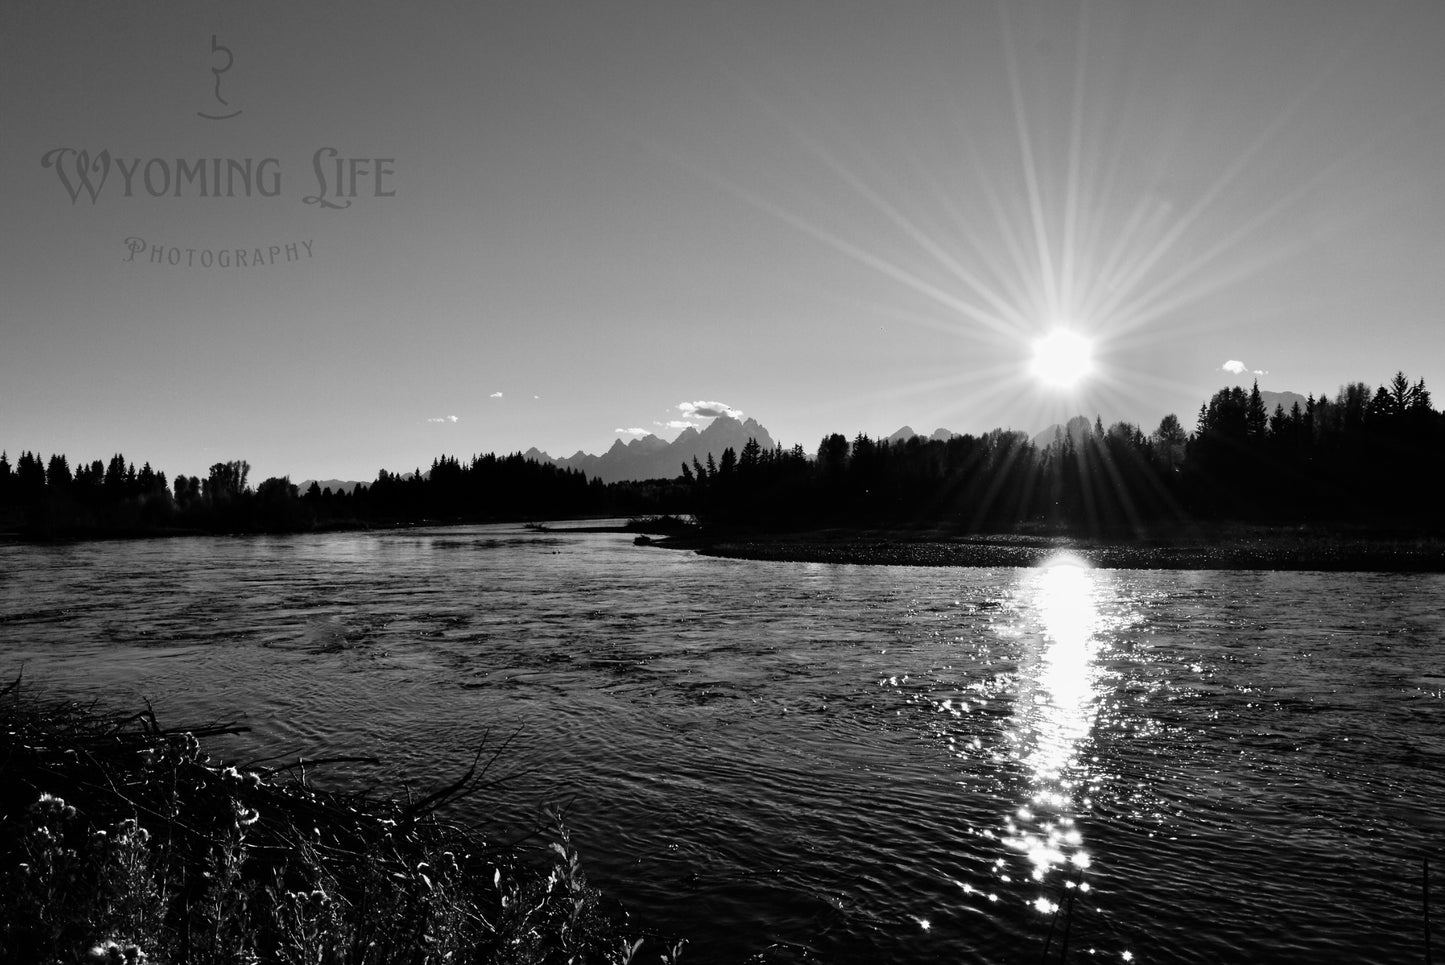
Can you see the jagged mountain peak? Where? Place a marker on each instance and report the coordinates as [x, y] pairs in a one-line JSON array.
[[1078, 428], [651, 457], [903, 434], [721, 424]]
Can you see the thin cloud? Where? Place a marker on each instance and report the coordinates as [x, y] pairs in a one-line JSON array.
[[634, 431], [676, 424], [707, 410], [495, 395], [444, 419]]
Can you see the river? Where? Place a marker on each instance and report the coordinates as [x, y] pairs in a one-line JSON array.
[[810, 762]]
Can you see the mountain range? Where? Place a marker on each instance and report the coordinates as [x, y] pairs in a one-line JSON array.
[[1077, 429], [650, 457], [1080, 426], [906, 433], [1284, 400]]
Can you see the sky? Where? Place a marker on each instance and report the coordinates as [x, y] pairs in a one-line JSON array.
[[575, 222]]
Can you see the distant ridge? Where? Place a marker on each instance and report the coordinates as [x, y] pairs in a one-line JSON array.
[[651, 457], [335, 485], [1285, 400], [906, 433], [1077, 429], [1080, 426], [902, 435]]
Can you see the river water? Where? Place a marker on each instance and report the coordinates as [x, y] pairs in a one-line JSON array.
[[809, 762]]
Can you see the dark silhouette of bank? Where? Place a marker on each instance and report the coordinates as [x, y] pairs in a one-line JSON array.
[[1372, 460], [1366, 459], [117, 500]]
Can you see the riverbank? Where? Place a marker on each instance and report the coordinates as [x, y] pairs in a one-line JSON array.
[[122, 841], [1231, 548], [96, 534]]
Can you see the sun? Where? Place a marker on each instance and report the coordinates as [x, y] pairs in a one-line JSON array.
[[1062, 358]]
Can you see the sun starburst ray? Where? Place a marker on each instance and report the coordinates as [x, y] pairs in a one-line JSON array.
[[1042, 246], [1073, 200], [996, 301]]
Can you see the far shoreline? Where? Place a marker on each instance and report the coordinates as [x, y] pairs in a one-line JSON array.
[[1216, 546], [1254, 548]]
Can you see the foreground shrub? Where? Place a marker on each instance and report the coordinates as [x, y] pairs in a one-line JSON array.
[[121, 842]]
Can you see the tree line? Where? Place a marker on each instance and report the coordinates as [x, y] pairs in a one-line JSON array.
[[44, 498], [1366, 456]]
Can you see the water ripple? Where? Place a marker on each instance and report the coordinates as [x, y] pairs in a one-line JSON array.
[[802, 762]]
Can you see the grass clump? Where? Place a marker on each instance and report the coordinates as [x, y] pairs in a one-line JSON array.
[[121, 842]]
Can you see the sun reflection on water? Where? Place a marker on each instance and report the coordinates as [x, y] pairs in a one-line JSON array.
[[1053, 716]]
